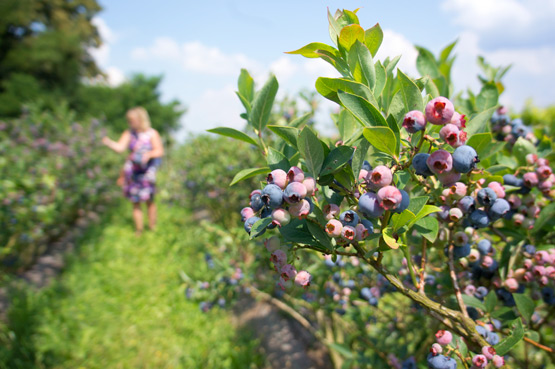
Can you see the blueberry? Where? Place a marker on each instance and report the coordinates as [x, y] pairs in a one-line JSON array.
[[479, 219], [256, 202], [464, 159], [548, 296], [467, 204], [529, 250], [484, 246], [506, 297], [441, 362], [349, 218], [366, 166], [499, 208], [486, 196], [492, 338], [365, 293], [266, 212], [409, 363], [272, 196], [512, 180], [369, 205], [250, 222], [368, 225], [373, 301], [420, 166], [481, 331], [405, 201], [294, 192], [481, 292]]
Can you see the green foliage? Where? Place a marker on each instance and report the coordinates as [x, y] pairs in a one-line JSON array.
[[120, 303], [55, 174]]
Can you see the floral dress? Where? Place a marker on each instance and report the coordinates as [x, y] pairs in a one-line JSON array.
[[140, 179]]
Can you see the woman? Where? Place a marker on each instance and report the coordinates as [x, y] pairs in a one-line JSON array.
[[139, 171]]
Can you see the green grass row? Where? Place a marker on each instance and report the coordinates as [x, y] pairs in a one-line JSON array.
[[120, 304]]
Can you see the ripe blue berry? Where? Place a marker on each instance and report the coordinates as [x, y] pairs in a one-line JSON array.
[[250, 222], [484, 247], [366, 166], [464, 159], [512, 180], [479, 219], [467, 204], [441, 362], [256, 202], [368, 225], [481, 292], [369, 205], [498, 209], [529, 250], [420, 166], [405, 201], [486, 196], [349, 218], [294, 192]]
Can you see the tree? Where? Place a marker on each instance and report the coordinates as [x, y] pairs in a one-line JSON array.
[[44, 49]]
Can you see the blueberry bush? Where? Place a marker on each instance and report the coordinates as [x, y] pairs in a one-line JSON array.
[[421, 235], [55, 175]]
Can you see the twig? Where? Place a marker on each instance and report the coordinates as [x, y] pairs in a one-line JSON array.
[[458, 294], [423, 267], [538, 345]]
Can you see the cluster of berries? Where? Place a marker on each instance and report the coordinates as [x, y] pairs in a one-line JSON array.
[[286, 195], [509, 130], [381, 195], [348, 228], [437, 360], [287, 272], [538, 270]]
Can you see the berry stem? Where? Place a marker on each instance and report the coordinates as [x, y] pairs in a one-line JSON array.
[[408, 256], [423, 266], [453, 275]]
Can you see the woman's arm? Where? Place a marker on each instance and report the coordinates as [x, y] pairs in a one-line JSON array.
[[119, 146], [157, 148]]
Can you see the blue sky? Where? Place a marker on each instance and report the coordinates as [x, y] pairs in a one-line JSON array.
[[200, 46]]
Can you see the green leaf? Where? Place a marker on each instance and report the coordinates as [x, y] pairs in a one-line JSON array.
[[490, 301], [400, 220], [343, 350], [288, 134], [245, 103], [381, 78], [479, 142], [334, 28], [311, 150], [248, 173], [488, 97], [233, 133], [299, 121], [349, 127], [474, 302], [336, 159], [297, 231], [246, 85], [525, 306], [417, 203], [362, 147], [329, 87], [349, 35], [426, 210], [366, 64], [444, 55], [373, 38], [521, 148], [362, 110], [320, 235], [276, 160], [412, 96], [479, 123], [509, 342], [260, 227], [312, 50], [426, 63], [545, 218], [427, 227], [383, 139], [262, 104], [388, 238]]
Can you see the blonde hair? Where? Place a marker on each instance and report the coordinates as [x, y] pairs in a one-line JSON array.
[[142, 115]]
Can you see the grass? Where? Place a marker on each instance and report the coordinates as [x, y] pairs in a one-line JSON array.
[[120, 304]]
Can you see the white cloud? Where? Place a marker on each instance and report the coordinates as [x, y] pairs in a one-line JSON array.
[[284, 68], [195, 56], [396, 44], [114, 75], [488, 14]]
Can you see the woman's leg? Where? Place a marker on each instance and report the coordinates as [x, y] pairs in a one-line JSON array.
[[151, 206], [138, 217]]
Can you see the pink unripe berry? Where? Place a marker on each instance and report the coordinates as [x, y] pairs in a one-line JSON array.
[[288, 272], [440, 161], [310, 185], [533, 211], [348, 233], [449, 178], [414, 121], [511, 284], [300, 209], [439, 110], [530, 179], [246, 213], [389, 197], [514, 201], [497, 188], [544, 172], [436, 349], [295, 174], [294, 192], [519, 274], [538, 270], [283, 284], [449, 133], [541, 162], [379, 177], [272, 244], [277, 177], [550, 272], [361, 232], [458, 190], [281, 217], [469, 290], [459, 120], [480, 361], [498, 361], [455, 214], [488, 352], [362, 174], [444, 337], [542, 257], [331, 211], [303, 278], [279, 258], [487, 261], [460, 238], [531, 158], [334, 228]]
